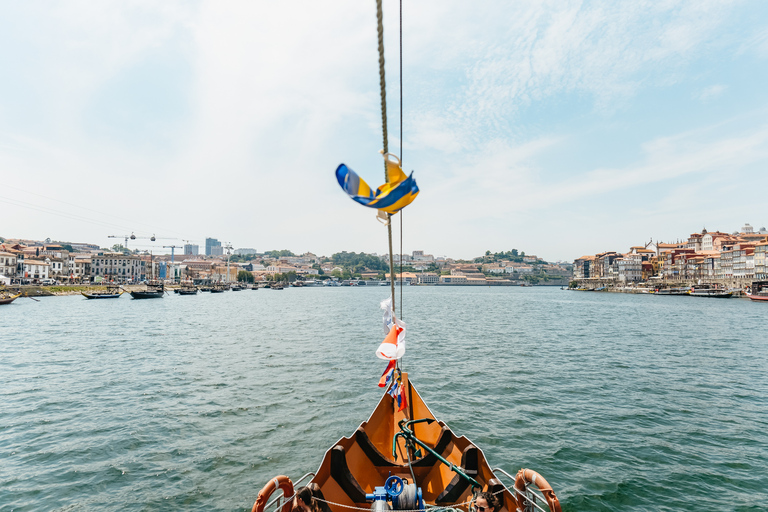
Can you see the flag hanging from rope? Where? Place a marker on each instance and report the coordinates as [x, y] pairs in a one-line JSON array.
[[397, 391], [399, 191], [386, 377], [393, 346]]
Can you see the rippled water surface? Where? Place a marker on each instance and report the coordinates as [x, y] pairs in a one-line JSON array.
[[623, 402]]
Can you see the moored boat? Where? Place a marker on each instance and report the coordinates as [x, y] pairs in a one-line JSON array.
[[710, 290], [403, 458], [154, 290], [187, 289], [672, 291], [112, 292], [758, 291], [8, 297], [219, 287]]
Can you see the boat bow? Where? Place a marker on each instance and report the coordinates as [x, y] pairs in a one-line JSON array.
[[448, 469]]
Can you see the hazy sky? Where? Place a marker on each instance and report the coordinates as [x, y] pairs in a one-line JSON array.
[[559, 128]]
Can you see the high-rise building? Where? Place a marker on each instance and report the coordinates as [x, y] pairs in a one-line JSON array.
[[213, 247], [246, 251], [190, 249]]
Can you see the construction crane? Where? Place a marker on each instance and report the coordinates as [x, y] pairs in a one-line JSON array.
[[172, 248], [131, 236]]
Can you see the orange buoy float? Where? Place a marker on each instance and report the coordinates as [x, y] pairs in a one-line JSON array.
[[281, 482], [528, 476]]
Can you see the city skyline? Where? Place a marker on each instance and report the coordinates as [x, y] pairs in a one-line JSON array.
[[558, 129]]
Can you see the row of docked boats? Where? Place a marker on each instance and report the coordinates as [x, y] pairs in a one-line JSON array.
[[157, 289], [699, 290], [758, 291]]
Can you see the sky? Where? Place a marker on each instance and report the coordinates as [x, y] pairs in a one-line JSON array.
[[559, 128]]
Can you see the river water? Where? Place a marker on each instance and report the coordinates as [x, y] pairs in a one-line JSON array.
[[623, 402]]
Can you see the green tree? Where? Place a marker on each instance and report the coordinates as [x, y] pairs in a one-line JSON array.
[[359, 262], [68, 247], [244, 276], [284, 253]]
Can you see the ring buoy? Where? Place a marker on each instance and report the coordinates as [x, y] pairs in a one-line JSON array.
[[529, 476], [279, 482]]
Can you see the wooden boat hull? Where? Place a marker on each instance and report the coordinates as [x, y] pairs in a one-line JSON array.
[[187, 292], [101, 295], [354, 466], [10, 299], [147, 294]]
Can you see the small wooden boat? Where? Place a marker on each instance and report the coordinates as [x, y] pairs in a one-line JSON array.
[[112, 292], [187, 289], [7, 297], [412, 460], [154, 290], [219, 288]]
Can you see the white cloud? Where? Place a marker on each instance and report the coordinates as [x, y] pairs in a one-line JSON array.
[[277, 94], [711, 92]]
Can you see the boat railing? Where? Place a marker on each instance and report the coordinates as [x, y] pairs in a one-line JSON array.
[[283, 499], [530, 496]]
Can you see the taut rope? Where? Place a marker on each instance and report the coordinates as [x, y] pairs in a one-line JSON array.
[[382, 85]]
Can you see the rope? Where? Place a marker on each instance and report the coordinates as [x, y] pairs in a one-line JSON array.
[[432, 508], [383, 87], [401, 154]]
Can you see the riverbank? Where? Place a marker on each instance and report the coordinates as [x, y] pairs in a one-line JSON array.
[[63, 290], [737, 293]]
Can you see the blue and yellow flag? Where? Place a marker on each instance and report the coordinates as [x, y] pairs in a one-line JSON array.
[[399, 191]]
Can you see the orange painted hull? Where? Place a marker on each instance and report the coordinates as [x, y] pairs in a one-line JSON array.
[[355, 465]]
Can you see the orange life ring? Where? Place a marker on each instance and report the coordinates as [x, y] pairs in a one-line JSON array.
[[279, 482], [529, 476]]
